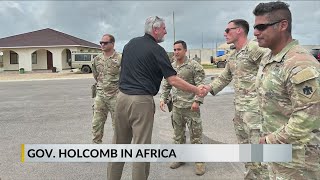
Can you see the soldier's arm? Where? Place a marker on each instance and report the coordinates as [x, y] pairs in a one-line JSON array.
[[94, 69], [199, 79], [304, 92], [166, 88], [222, 80]]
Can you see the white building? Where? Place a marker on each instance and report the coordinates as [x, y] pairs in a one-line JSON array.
[[42, 49]]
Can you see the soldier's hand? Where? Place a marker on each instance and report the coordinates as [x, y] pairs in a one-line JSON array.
[[162, 106], [262, 140], [202, 90], [207, 88], [195, 106]]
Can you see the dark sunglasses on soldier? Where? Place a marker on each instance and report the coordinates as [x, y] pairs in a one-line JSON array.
[[228, 29], [104, 42], [262, 27]]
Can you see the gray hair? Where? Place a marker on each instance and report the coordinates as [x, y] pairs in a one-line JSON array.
[[151, 22]]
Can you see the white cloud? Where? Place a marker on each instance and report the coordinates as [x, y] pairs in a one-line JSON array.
[[7, 6]]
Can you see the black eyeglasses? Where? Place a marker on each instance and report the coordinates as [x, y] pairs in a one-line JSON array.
[[228, 29], [262, 27], [105, 42]]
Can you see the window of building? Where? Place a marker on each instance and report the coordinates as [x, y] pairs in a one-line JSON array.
[[82, 57], [34, 57], [13, 58]]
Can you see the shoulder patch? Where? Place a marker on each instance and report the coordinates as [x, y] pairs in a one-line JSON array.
[[307, 90], [304, 75], [255, 55], [255, 52]]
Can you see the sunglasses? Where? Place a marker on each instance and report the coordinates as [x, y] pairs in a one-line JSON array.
[[104, 42], [262, 27], [228, 29]]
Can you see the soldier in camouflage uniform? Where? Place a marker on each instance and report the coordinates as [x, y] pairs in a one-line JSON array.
[[185, 105], [197, 59], [106, 69], [242, 67], [288, 85]]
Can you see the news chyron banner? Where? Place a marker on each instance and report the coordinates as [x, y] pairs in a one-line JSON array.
[[156, 152]]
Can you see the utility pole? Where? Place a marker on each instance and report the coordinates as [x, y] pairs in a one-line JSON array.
[[201, 45], [174, 29], [212, 48], [202, 41]]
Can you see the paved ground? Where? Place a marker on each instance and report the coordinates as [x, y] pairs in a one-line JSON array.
[[65, 74], [41, 75], [59, 111]]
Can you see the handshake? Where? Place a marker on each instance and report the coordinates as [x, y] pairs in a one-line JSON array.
[[203, 90]]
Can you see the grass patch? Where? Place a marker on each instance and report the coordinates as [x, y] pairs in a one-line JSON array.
[[208, 66]]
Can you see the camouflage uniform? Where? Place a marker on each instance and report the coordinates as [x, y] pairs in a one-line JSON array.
[[193, 73], [289, 96], [106, 72], [242, 67], [197, 59]]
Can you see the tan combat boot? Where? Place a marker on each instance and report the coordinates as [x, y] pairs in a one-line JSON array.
[[200, 169], [175, 165]]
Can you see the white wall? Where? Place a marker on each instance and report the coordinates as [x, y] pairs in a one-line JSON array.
[[1, 61], [6, 62], [204, 54], [41, 60], [64, 59], [84, 49], [65, 64], [25, 58], [59, 57]]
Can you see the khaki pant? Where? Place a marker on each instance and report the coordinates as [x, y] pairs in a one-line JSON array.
[[134, 116], [102, 106]]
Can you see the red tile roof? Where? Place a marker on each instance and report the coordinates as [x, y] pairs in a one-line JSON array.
[[44, 37]]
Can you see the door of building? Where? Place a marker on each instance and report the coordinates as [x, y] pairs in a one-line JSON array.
[[49, 60]]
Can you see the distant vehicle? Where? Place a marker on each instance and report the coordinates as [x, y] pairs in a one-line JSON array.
[[316, 53], [221, 57], [83, 60]]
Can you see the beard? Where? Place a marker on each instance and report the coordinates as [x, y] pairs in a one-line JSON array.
[[160, 40]]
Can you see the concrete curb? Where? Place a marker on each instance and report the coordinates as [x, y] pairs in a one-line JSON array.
[[21, 80]]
